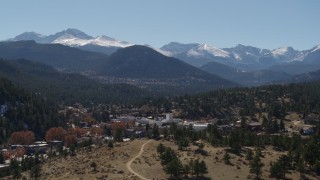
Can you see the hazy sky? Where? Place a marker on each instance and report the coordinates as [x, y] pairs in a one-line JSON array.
[[225, 23]]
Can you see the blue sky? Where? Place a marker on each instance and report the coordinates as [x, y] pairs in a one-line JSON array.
[[225, 23]]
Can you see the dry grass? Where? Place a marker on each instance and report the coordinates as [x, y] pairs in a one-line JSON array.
[[111, 163]]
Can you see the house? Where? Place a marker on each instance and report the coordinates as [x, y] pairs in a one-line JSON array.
[[141, 134], [307, 131], [200, 127], [254, 126], [129, 133]]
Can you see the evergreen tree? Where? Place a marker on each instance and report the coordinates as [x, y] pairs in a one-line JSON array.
[[203, 168], [280, 167], [282, 126], [94, 166], [256, 166], [15, 169], [276, 171], [284, 161], [119, 135], [161, 148], [234, 141], [167, 156], [311, 153], [317, 167], [165, 133], [275, 126], [1, 158], [226, 158], [243, 124], [155, 131], [72, 149], [249, 155], [35, 172], [301, 167], [174, 168], [110, 144]]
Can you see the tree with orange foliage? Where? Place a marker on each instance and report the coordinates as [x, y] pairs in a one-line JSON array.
[[96, 131], [70, 140], [118, 125], [78, 132], [22, 137], [55, 134], [20, 151], [7, 154]]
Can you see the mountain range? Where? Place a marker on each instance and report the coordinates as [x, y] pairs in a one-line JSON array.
[[245, 58], [245, 65], [241, 57], [76, 38], [136, 65]]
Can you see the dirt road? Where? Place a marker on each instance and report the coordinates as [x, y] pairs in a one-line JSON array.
[[134, 158]]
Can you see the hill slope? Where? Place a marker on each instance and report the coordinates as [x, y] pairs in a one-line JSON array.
[[22, 110], [55, 55], [150, 68], [253, 78], [67, 87]]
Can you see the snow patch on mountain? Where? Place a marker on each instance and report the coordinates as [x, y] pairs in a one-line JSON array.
[[100, 41], [238, 57], [203, 49], [280, 51], [316, 48], [74, 38], [107, 42], [70, 41]]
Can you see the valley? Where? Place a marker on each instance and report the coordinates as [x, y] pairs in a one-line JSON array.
[[74, 106]]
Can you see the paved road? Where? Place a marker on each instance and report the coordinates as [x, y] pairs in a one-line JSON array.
[[134, 158]]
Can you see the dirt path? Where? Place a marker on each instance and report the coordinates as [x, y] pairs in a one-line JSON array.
[[134, 158]]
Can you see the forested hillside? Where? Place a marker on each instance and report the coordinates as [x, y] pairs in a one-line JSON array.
[[21, 110], [274, 101], [67, 87]]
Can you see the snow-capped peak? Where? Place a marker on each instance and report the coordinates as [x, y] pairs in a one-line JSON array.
[[203, 49], [282, 51], [76, 33], [71, 40]]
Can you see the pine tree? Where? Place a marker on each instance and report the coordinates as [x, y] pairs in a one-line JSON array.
[[155, 131], [1, 158], [35, 172], [161, 148], [203, 168], [119, 135], [15, 169], [249, 155], [174, 168], [94, 166], [275, 170], [256, 166], [282, 126], [226, 158]]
